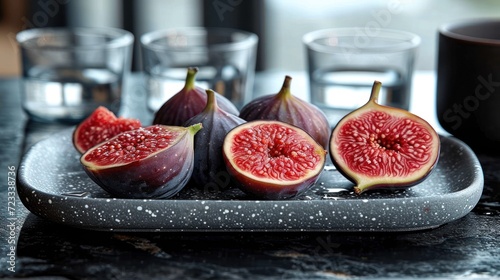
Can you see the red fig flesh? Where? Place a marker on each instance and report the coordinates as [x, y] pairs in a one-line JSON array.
[[101, 125], [380, 147], [189, 102], [273, 159], [287, 108], [151, 162]]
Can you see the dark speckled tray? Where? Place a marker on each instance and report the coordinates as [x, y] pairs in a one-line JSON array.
[[53, 185]]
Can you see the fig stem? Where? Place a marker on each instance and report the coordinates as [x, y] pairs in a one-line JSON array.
[[359, 189], [193, 129], [285, 89], [375, 91], [190, 78], [211, 101]]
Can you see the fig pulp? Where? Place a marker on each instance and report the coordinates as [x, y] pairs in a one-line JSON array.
[[101, 125], [272, 159], [285, 107], [152, 162], [189, 102], [380, 147], [210, 171]]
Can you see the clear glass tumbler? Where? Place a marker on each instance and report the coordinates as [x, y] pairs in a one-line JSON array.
[[68, 73], [225, 59], [343, 63]]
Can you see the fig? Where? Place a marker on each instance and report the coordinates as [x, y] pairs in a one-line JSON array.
[[285, 107], [101, 125], [189, 102], [210, 167], [148, 162], [272, 159], [380, 147]]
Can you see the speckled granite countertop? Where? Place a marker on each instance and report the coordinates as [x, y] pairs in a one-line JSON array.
[[467, 248]]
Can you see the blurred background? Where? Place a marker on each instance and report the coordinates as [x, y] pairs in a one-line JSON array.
[[280, 24]]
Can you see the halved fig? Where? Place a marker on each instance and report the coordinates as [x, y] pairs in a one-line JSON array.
[[272, 159], [151, 162], [101, 125], [285, 107], [379, 147], [189, 102]]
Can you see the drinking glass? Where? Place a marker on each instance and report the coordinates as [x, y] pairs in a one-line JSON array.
[[225, 59], [69, 72], [343, 63]]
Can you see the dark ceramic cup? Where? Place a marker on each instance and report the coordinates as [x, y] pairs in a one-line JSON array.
[[468, 82]]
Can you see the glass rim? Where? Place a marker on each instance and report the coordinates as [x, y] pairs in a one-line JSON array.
[[450, 30], [148, 39], [119, 37], [406, 40]]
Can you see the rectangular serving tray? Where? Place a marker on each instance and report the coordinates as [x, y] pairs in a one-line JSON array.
[[53, 185]]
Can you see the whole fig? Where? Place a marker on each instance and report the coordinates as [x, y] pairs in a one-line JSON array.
[[189, 102], [210, 171], [379, 147], [287, 108], [151, 162]]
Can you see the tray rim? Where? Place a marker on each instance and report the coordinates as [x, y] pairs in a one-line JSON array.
[[27, 192]]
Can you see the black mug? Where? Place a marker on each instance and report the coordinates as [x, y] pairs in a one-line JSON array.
[[468, 82]]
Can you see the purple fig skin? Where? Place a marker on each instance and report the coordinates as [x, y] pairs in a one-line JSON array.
[[287, 108], [269, 187], [161, 174], [210, 171], [260, 190], [189, 102]]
